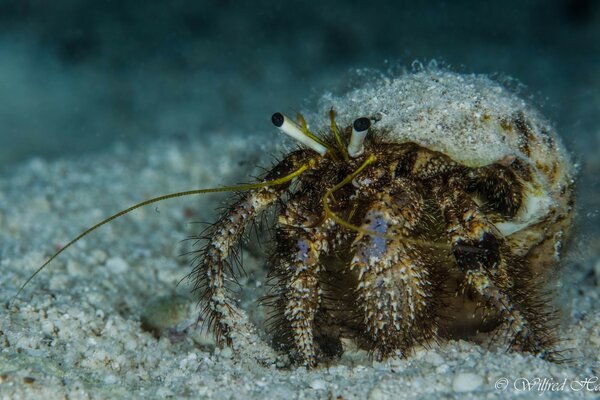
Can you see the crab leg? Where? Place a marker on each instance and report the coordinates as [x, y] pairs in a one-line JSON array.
[[477, 249], [301, 240], [502, 185], [394, 284], [212, 270], [298, 268]]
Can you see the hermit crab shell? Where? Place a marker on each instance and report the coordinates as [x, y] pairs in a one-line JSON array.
[[477, 121]]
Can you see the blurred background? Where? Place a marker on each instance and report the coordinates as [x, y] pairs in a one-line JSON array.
[[77, 76]]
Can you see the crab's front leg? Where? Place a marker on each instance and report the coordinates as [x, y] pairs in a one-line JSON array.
[[490, 270], [214, 266], [301, 238], [297, 268], [394, 276]]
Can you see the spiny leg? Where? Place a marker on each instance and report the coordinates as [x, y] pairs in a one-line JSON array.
[[297, 269], [500, 187], [394, 282], [211, 272], [479, 251]]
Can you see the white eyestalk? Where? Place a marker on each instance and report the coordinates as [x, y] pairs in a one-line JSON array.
[[293, 130], [360, 128]]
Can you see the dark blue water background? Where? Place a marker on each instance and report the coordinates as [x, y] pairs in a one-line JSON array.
[[76, 76]]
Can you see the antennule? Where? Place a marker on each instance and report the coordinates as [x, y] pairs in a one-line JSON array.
[[360, 128], [292, 129]]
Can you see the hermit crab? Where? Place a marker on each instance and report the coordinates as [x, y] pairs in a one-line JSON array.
[[431, 205]]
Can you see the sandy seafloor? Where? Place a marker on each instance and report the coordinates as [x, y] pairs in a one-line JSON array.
[[80, 329], [76, 330]]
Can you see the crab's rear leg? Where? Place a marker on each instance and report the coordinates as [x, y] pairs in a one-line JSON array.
[[395, 281], [487, 264], [214, 266]]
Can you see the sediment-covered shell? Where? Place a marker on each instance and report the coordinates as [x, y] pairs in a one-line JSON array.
[[477, 121]]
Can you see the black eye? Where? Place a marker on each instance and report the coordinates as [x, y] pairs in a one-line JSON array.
[[277, 119], [362, 124]]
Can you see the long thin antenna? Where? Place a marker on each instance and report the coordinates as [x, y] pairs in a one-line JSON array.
[[249, 186], [304, 126], [336, 134]]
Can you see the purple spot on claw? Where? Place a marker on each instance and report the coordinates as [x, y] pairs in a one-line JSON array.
[[303, 249], [378, 245]]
